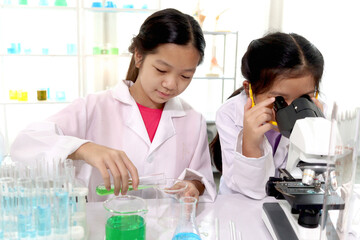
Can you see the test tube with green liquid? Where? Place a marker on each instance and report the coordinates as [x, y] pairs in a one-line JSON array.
[[144, 183]]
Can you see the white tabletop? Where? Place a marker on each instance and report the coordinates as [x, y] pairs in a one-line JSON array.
[[243, 211]]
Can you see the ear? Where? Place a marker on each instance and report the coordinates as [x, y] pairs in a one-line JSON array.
[[138, 58], [246, 87]]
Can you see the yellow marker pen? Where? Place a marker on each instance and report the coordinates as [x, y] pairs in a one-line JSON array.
[[253, 103], [273, 123], [251, 96]]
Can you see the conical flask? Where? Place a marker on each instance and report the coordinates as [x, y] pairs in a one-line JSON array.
[[187, 228]]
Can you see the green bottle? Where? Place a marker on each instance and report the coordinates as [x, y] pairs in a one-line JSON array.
[[23, 2], [61, 3]]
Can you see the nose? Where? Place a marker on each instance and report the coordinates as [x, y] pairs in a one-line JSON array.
[[170, 82]]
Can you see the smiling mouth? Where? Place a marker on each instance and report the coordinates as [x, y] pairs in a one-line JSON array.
[[164, 94]]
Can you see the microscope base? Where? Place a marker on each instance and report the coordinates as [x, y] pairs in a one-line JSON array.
[[284, 225]]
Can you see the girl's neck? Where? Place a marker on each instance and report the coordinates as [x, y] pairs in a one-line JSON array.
[[139, 95]]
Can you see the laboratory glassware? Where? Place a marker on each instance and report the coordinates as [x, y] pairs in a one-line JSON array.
[[187, 228], [61, 206], [168, 193], [8, 207], [2, 147], [26, 220], [341, 175], [125, 218], [43, 207], [144, 183]]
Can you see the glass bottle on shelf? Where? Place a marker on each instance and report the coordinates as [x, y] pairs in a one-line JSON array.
[[187, 228]]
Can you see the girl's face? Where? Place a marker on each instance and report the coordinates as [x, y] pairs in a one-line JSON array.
[[164, 74], [289, 89]]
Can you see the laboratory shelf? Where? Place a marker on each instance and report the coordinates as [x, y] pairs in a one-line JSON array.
[[33, 102], [108, 55], [219, 32], [33, 7], [37, 55], [120, 10]]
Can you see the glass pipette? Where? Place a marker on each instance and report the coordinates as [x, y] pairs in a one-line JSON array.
[[144, 182]]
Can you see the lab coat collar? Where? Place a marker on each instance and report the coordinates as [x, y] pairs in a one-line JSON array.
[[239, 109], [172, 109], [121, 92]]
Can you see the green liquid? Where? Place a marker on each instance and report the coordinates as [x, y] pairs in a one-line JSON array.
[[125, 227], [101, 190]]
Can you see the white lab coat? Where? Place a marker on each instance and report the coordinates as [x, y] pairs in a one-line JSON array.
[[112, 118], [242, 174]]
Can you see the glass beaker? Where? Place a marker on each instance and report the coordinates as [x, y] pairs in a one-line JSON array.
[[126, 218], [187, 228], [168, 193]]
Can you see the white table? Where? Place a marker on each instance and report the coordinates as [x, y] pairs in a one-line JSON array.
[[243, 211]]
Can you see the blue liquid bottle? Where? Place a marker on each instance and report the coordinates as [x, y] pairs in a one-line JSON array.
[[187, 228]]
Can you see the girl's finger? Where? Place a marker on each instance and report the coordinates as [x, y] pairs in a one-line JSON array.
[[266, 102], [266, 127], [124, 174], [247, 105], [132, 170], [116, 175], [105, 175]]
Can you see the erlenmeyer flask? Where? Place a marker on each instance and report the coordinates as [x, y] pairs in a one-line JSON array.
[[187, 228]]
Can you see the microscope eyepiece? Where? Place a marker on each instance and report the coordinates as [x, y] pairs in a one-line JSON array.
[[286, 115], [279, 103]]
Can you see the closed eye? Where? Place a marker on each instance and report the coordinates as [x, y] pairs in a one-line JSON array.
[[186, 77], [159, 70]]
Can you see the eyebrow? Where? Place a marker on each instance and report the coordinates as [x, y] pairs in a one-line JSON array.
[[285, 95], [168, 65]]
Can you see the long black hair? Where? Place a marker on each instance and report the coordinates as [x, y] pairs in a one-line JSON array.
[[272, 57], [165, 26]]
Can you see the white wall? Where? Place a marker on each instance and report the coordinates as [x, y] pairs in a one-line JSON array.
[[334, 27]]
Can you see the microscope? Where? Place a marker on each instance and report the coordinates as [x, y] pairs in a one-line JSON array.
[[301, 187]]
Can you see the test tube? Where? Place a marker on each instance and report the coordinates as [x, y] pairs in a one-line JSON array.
[[7, 192], [43, 209], [144, 183], [61, 198], [61, 206], [1, 217], [26, 226], [78, 217], [31, 173]]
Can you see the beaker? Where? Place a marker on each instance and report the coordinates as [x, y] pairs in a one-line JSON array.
[[168, 193], [126, 218], [187, 228]]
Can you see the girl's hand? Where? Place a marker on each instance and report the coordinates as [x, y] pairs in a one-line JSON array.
[[256, 124], [104, 158], [194, 189]]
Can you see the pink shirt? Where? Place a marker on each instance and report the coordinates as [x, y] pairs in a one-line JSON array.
[[151, 119]]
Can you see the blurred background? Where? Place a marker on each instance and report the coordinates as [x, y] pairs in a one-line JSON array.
[[54, 51]]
